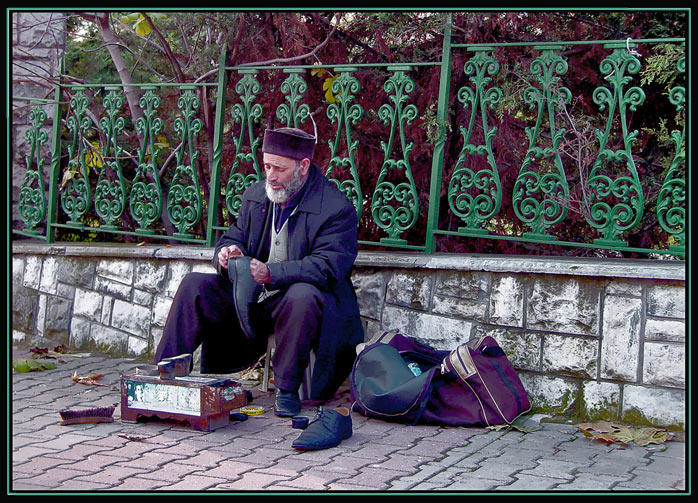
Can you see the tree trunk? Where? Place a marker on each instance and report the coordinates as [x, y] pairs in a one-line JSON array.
[[112, 44]]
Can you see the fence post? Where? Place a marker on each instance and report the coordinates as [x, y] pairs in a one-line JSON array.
[[54, 173], [438, 156], [214, 192]]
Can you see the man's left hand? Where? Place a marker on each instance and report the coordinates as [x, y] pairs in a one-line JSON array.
[[260, 272]]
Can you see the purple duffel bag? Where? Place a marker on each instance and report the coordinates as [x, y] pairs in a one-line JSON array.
[[399, 379]]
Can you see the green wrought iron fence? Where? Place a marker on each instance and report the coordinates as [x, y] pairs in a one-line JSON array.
[[154, 168]]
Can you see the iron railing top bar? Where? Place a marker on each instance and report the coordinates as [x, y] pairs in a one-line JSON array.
[[556, 242], [35, 100], [142, 85], [577, 42], [337, 66]]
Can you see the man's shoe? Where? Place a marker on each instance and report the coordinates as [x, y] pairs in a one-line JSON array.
[[245, 292], [287, 403], [327, 429]]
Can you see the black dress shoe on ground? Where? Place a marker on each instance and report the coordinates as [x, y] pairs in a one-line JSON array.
[[287, 403], [327, 429]]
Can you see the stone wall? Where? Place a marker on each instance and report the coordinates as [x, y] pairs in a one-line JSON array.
[[601, 339]]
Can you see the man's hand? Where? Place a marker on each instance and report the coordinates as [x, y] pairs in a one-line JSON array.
[[259, 272], [226, 253]]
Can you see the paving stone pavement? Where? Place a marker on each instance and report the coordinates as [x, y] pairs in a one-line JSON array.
[[256, 455]]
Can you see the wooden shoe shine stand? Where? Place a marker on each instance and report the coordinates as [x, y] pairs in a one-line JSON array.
[[202, 402]]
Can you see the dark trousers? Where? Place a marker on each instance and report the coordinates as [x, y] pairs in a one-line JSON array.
[[202, 313]]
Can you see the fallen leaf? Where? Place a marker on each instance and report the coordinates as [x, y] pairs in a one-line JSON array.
[[135, 438], [524, 424], [31, 365], [89, 379], [618, 433]]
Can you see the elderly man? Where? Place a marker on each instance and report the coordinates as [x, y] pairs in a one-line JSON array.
[[301, 235]]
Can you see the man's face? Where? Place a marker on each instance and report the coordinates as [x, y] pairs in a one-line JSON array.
[[284, 176]]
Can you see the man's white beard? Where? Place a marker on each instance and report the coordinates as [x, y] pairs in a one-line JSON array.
[[283, 194]]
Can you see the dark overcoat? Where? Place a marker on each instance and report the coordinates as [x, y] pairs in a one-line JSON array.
[[322, 248]]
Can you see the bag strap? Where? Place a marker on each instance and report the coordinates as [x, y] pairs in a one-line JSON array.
[[386, 337]]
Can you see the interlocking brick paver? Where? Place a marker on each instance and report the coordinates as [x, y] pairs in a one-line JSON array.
[[51, 478], [592, 481], [137, 483], [195, 483], [112, 474], [229, 470], [254, 481], [256, 454], [400, 462], [378, 478]]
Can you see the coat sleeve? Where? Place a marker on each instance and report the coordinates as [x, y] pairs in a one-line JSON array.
[[235, 235], [331, 250]]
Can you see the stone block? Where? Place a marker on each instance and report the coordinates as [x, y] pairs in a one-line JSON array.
[[79, 272], [576, 356], [621, 287], [464, 285], [24, 307], [564, 305], [506, 301], [436, 331], [551, 394], [410, 289], [116, 270], [620, 346], [49, 272], [137, 346], [57, 322], [668, 301], [113, 288], [655, 406], [176, 272], [150, 276], [370, 292], [107, 306], [87, 304], [664, 364], [79, 333], [32, 272], [161, 308], [108, 340], [462, 294], [203, 267], [143, 298], [17, 270], [601, 400], [523, 348], [131, 318], [657, 329], [460, 308]]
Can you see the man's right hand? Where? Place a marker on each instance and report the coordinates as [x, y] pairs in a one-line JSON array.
[[226, 253]]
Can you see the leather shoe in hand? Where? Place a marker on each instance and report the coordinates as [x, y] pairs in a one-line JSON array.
[[327, 429], [287, 403]]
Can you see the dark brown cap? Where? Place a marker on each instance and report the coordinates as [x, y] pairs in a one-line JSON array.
[[289, 142]]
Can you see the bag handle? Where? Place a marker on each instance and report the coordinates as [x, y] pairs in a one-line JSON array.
[[461, 361]]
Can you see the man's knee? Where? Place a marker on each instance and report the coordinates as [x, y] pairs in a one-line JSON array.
[[304, 296]]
